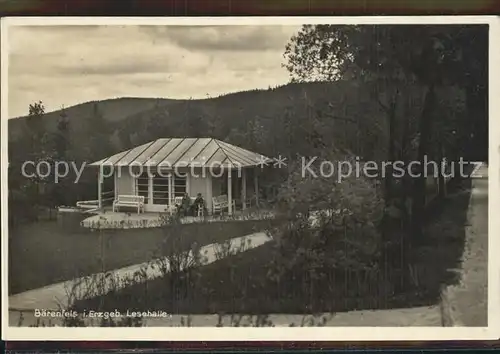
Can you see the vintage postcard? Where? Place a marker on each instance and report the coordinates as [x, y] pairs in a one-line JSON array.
[[250, 178]]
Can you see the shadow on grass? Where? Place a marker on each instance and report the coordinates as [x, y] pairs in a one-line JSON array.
[[241, 283]]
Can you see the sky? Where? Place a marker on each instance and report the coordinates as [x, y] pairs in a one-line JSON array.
[[67, 65]]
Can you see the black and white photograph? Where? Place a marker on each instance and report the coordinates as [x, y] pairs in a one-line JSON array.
[[280, 175]]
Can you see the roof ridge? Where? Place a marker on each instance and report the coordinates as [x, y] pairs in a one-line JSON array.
[[217, 141], [233, 149], [164, 149]]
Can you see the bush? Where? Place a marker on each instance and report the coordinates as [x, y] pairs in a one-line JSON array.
[[332, 231]]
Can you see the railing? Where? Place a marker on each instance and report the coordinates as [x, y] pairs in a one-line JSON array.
[[88, 204], [91, 211], [107, 197]]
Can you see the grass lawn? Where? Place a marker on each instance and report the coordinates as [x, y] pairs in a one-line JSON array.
[[43, 253], [241, 284]]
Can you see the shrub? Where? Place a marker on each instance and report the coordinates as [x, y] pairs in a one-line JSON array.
[[332, 231], [178, 262]]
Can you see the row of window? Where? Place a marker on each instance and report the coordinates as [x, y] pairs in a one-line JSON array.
[[160, 187]]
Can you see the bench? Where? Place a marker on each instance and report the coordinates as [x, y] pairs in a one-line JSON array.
[[221, 203], [129, 201], [178, 203], [178, 200]]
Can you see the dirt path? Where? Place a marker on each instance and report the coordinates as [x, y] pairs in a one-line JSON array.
[[468, 301], [414, 317]]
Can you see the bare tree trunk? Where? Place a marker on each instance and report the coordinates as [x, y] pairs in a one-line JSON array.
[[405, 195], [419, 186], [391, 153], [441, 181]]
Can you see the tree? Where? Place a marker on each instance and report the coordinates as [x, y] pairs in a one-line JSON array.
[[27, 193], [194, 123], [351, 53], [387, 58], [403, 65], [61, 146], [99, 134], [471, 74], [156, 125], [35, 126], [61, 139], [41, 151], [331, 232]]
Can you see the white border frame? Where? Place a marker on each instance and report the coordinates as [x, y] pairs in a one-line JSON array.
[[276, 333]]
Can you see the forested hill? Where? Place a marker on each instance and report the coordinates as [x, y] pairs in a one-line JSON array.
[[295, 118], [112, 110]]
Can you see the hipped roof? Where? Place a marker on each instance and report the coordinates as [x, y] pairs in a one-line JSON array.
[[184, 152]]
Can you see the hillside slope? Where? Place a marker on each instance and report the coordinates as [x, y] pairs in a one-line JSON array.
[[112, 110], [284, 120], [271, 121]]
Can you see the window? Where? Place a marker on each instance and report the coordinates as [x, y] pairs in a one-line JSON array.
[[179, 186], [142, 186], [160, 188]]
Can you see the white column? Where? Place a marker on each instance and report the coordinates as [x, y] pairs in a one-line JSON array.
[[170, 197], [115, 181], [99, 188], [150, 188], [208, 192], [229, 192], [256, 186], [134, 183], [244, 188]]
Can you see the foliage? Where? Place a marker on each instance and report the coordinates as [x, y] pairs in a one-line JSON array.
[[388, 59], [28, 194], [332, 229], [338, 186], [98, 136], [401, 66], [385, 56]]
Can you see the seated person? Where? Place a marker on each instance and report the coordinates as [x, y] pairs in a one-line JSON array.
[[185, 206], [198, 203]]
